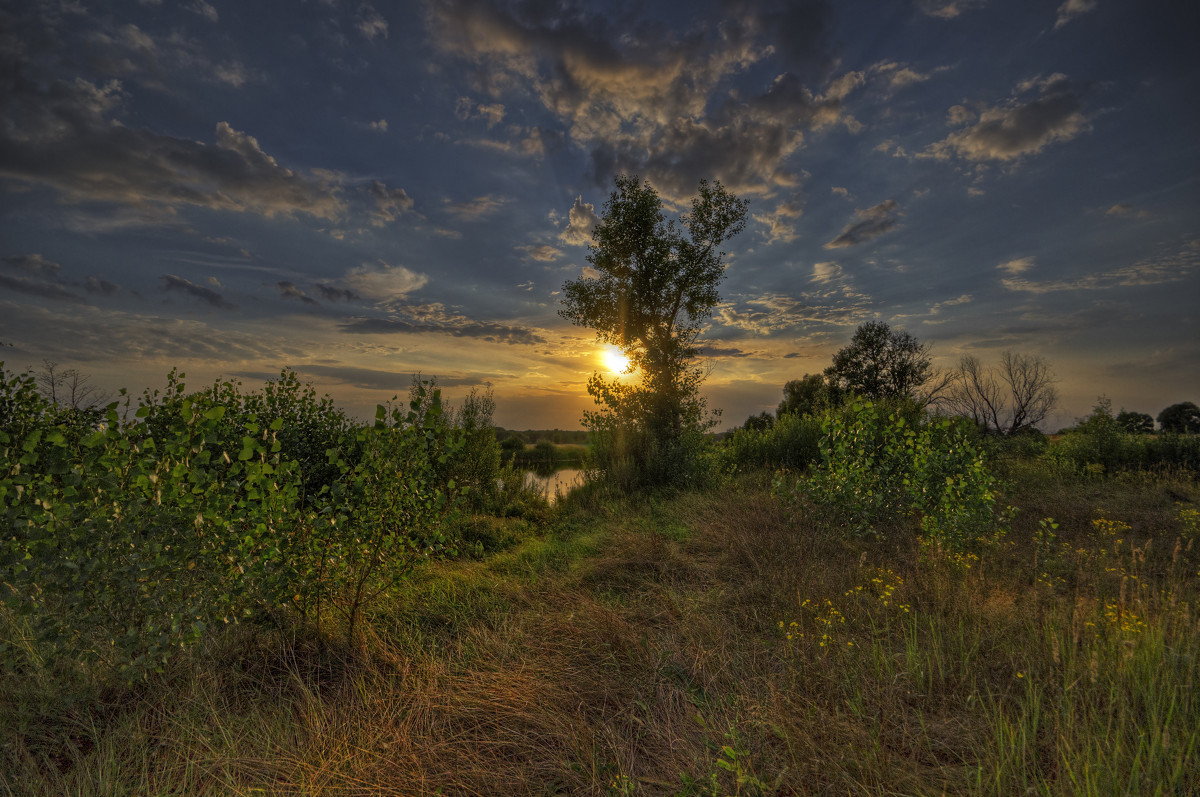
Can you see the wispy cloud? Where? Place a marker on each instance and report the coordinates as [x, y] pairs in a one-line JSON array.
[[869, 224], [206, 295]]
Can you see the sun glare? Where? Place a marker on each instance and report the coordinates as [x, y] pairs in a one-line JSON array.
[[614, 360]]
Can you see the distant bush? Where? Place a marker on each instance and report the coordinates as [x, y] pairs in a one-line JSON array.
[[1101, 440], [791, 443]]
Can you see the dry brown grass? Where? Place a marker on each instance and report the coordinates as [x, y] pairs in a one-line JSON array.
[[616, 654]]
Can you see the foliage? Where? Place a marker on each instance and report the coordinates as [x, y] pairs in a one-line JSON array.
[[808, 395], [130, 542], [477, 465], [1010, 399], [792, 442], [759, 423], [1135, 422], [879, 467], [655, 284], [882, 363], [1101, 443], [1181, 418]]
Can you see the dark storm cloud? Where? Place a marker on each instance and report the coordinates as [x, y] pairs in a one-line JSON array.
[[207, 295], [1017, 128], [642, 98], [871, 223]]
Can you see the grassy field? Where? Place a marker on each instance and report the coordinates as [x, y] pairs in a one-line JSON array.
[[712, 643]]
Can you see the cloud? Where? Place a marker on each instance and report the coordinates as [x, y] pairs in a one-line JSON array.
[[775, 314], [389, 203], [100, 286], [370, 23], [60, 134], [1018, 266], [383, 283], [1164, 269], [378, 126], [391, 380], [491, 113], [34, 264], [870, 224], [543, 253], [204, 10], [959, 115], [948, 9], [1072, 9], [207, 295], [1127, 211], [779, 222], [86, 333], [289, 290], [333, 293], [477, 208], [582, 219], [642, 98], [826, 272], [36, 276], [416, 319], [1017, 128]]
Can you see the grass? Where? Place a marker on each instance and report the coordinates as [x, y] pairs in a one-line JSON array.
[[694, 644]]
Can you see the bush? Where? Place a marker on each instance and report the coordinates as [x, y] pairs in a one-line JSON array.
[[792, 443], [128, 543], [877, 467]]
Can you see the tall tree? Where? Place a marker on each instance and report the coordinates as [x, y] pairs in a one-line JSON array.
[[1013, 397], [655, 284], [882, 363]]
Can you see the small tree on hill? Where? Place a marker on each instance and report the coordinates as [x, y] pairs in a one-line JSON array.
[[655, 284]]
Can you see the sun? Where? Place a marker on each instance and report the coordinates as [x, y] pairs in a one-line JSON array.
[[614, 360]]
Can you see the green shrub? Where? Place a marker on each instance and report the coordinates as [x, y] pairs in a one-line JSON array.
[[877, 467], [128, 543], [792, 443]]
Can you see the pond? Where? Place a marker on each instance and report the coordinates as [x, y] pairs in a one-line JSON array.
[[554, 484]]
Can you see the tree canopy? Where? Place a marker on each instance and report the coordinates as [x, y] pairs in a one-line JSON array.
[[882, 363], [653, 285], [1181, 418]]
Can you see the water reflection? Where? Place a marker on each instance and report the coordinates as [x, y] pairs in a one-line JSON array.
[[556, 483]]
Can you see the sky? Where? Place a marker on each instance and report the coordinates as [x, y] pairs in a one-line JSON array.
[[362, 190]]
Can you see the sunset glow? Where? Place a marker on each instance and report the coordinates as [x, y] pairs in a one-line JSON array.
[[614, 360], [366, 191]]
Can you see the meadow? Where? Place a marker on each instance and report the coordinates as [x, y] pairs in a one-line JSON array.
[[1026, 622]]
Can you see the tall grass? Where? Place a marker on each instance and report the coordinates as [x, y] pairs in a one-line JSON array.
[[713, 643]]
